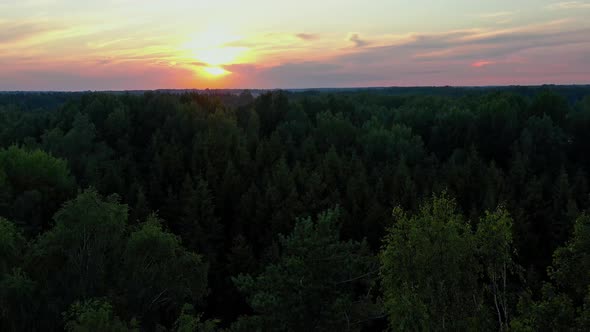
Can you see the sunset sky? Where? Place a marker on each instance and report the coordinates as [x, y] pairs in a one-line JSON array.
[[144, 44]]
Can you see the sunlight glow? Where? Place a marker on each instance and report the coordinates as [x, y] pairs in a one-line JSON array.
[[214, 48], [219, 56], [73, 45], [215, 71]]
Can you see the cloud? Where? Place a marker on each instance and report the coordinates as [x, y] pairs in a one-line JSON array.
[[199, 64], [482, 63], [108, 43], [11, 32], [530, 54], [555, 51], [356, 39], [79, 77], [503, 44], [307, 36], [303, 74], [569, 5]]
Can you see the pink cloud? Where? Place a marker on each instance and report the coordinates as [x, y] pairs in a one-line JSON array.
[[482, 63]]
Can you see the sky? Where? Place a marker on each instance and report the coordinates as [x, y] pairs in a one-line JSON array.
[[176, 44]]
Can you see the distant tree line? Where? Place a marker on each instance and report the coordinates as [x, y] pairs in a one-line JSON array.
[[312, 211]]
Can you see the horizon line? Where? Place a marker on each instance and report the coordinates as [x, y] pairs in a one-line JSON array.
[[307, 88]]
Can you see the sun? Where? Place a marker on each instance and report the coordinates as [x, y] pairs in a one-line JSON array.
[[211, 51], [217, 56], [214, 48], [215, 71]]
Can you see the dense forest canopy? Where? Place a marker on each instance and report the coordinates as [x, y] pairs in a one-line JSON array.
[[362, 210]]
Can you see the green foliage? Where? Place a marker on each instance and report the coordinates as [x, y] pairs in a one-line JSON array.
[[316, 284], [12, 245], [159, 274], [571, 263], [551, 104], [227, 173], [564, 304], [188, 322], [33, 185], [495, 252], [429, 270], [80, 252], [95, 315], [198, 225], [18, 305], [432, 268]]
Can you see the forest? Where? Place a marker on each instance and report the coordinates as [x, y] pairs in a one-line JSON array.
[[363, 210]]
